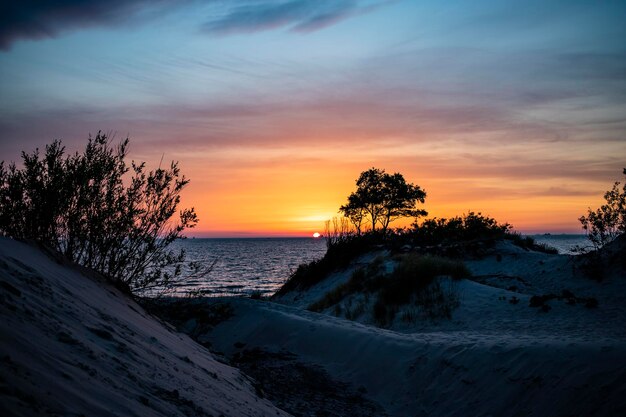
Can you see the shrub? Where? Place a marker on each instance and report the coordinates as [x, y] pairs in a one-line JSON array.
[[609, 221], [338, 255], [415, 280], [471, 226], [362, 279], [98, 214], [439, 299], [527, 242]]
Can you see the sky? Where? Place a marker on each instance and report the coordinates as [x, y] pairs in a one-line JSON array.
[[514, 109]]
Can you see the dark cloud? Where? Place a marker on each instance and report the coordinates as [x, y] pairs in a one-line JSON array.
[[299, 15], [31, 19]]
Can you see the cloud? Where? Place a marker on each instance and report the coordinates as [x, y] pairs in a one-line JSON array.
[[31, 19], [299, 15]]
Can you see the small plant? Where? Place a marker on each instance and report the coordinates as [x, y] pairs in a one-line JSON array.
[[337, 311], [352, 313], [414, 280], [256, 295], [528, 243], [360, 280], [540, 301], [439, 299]]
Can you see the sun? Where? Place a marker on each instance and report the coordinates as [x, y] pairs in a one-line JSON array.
[[316, 235]]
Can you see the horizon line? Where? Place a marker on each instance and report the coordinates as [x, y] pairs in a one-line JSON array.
[[252, 235]]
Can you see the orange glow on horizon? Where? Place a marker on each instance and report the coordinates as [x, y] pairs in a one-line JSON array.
[[294, 197]]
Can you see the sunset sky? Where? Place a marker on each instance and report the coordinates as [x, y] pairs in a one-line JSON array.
[[516, 109]]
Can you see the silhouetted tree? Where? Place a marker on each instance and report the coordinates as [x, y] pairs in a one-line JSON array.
[[355, 212], [384, 198], [80, 205], [608, 221]]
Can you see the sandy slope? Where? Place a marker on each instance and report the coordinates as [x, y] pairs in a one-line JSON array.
[[71, 345], [492, 358]]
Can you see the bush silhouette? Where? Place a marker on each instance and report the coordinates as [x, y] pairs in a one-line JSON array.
[[609, 221], [470, 226], [98, 212]]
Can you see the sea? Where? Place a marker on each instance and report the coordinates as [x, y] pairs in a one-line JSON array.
[[246, 266]]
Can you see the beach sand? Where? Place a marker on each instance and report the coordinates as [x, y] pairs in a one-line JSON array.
[[72, 344]]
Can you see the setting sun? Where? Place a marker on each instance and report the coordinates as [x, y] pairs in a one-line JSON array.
[[316, 235]]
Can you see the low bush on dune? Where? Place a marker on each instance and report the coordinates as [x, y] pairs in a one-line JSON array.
[[606, 230], [414, 273], [606, 223], [528, 243], [416, 280], [455, 237], [364, 279], [423, 281], [462, 231], [541, 301], [470, 226], [339, 254]]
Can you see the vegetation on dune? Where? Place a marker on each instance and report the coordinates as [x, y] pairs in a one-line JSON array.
[[606, 230], [607, 222], [381, 198], [470, 226], [99, 212], [362, 280], [467, 229], [342, 248], [415, 281]]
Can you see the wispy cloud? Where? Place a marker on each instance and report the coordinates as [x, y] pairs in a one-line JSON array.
[[297, 15]]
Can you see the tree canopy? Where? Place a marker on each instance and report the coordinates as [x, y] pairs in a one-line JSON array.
[[381, 198]]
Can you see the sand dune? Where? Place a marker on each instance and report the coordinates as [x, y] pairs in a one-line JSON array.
[[493, 357], [72, 345]]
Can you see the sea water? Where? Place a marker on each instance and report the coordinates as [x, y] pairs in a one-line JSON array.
[[247, 265], [244, 266], [567, 244]]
